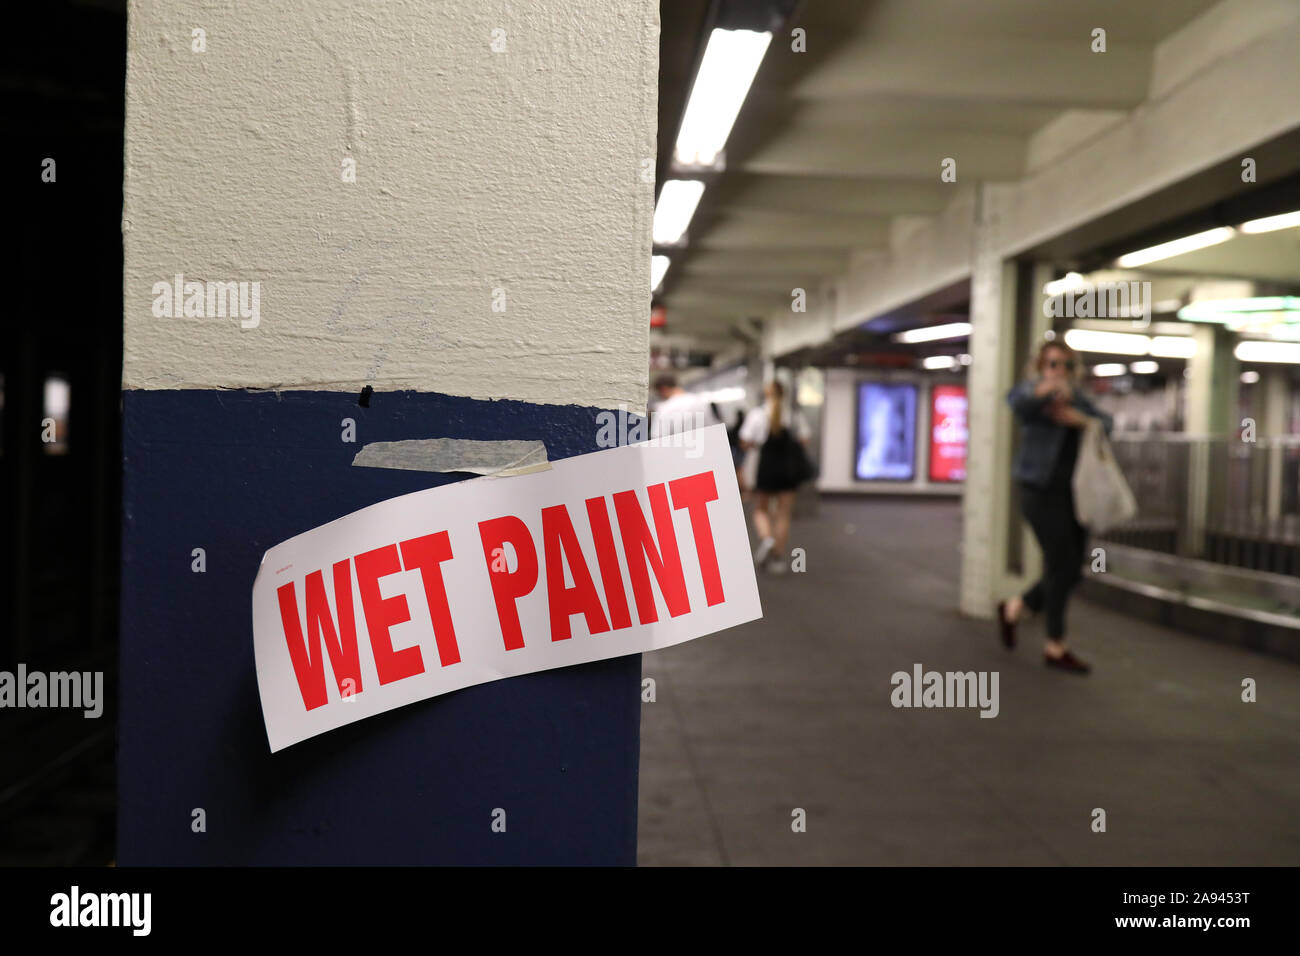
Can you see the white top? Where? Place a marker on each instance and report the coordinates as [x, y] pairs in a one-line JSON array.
[[757, 422], [681, 413]]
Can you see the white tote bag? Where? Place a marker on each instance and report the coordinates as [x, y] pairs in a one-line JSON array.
[[1102, 498]]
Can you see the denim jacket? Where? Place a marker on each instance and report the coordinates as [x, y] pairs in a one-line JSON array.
[[1040, 437]]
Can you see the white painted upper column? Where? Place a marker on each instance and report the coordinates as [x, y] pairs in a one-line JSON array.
[[495, 242]]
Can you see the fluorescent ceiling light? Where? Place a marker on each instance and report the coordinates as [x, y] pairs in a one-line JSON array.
[[1285, 221], [1130, 343], [938, 361], [730, 61], [1249, 378], [1072, 280], [1258, 315], [1222, 310], [1177, 247], [1118, 343], [1173, 346], [1108, 369], [1254, 351], [1145, 367], [676, 206], [658, 267], [933, 333]]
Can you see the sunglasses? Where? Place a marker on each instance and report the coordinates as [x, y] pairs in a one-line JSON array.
[[1068, 365]]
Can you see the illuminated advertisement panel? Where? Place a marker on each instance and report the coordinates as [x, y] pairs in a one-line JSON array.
[[886, 438], [948, 433]]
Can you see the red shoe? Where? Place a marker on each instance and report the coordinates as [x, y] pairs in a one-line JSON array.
[[1066, 662], [1006, 629]]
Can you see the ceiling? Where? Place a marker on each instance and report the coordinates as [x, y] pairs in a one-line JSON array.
[[1270, 257], [838, 146]]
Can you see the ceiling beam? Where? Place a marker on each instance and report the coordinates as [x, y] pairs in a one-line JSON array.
[[892, 153], [837, 195], [723, 263], [1008, 69]]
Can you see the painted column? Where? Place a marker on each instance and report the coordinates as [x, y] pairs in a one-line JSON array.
[[449, 204]]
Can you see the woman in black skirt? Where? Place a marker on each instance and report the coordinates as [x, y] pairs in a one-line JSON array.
[[782, 467]]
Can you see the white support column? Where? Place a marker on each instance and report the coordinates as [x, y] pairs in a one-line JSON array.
[[1212, 383], [1275, 404], [985, 497], [1275, 384]]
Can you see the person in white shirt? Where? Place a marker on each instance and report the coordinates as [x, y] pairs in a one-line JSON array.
[[782, 467], [678, 411]]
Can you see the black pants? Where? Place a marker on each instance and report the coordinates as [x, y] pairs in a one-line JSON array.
[[1050, 512]]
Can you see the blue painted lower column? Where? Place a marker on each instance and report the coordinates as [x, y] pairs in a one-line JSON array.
[[235, 472]]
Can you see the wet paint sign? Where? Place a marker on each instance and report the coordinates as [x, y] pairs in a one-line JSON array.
[[617, 552]]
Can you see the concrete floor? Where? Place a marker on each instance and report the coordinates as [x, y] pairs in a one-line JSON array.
[[793, 711]]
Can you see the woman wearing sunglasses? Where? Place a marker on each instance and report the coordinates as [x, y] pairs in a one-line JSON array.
[[1052, 412]]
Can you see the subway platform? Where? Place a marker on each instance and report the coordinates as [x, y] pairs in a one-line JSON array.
[[794, 712]]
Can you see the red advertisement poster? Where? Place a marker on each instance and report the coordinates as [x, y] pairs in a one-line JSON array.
[[948, 433]]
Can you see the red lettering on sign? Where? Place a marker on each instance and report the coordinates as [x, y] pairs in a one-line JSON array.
[[560, 544], [664, 558], [611, 577], [383, 613], [694, 494], [426, 555], [340, 641], [508, 587]]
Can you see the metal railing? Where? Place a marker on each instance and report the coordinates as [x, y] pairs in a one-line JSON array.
[[1217, 498]]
